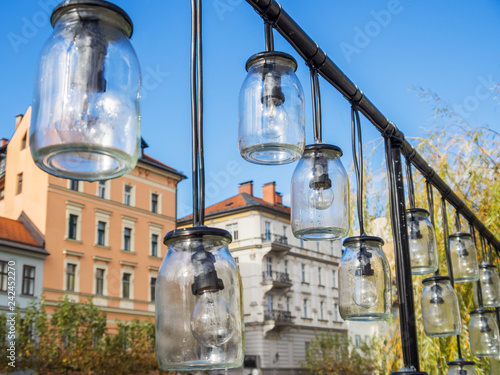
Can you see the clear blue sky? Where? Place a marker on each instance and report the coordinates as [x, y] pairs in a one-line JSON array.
[[450, 47]]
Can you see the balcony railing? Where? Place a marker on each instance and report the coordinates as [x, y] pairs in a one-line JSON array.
[[280, 277], [279, 316], [275, 238]]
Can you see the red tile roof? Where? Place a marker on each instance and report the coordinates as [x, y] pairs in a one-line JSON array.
[[148, 159], [240, 201], [15, 231]]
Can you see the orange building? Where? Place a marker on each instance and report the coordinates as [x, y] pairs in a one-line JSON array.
[[104, 237]]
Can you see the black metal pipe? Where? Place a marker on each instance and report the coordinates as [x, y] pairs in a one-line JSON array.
[[313, 55], [409, 338]]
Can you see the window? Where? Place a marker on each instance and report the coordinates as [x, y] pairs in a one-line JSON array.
[[2, 193], [334, 279], [233, 229], [288, 304], [335, 312], [303, 272], [269, 267], [3, 275], [70, 277], [319, 276], [126, 285], [152, 289], [72, 226], [305, 308], [19, 183], [127, 195], [23, 142], [267, 230], [331, 248], [101, 189], [322, 310], [284, 231], [127, 236], [29, 280], [286, 266], [302, 243], [99, 281], [154, 245], [101, 233], [317, 246], [269, 303], [154, 203], [73, 185], [357, 341]]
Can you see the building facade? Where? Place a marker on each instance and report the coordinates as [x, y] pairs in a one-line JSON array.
[[104, 237], [290, 287], [22, 255]]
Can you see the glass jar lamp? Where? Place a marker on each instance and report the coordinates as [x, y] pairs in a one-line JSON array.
[[463, 258], [364, 280], [85, 122], [320, 195], [461, 367], [483, 334], [422, 242], [490, 286], [440, 309], [271, 110], [199, 309]]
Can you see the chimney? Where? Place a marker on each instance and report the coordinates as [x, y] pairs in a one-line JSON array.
[[269, 192], [3, 142], [279, 198], [19, 118], [246, 187]]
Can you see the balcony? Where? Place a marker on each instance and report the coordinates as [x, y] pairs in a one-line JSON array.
[[277, 282], [279, 244], [277, 320]]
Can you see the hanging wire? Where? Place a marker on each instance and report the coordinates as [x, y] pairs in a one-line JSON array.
[[316, 100], [483, 249], [409, 177], [430, 200], [478, 283], [458, 225], [198, 162], [490, 255], [268, 32], [358, 164]]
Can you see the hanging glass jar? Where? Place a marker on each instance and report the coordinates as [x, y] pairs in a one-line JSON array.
[[422, 241], [495, 365], [483, 334], [461, 367], [463, 258], [320, 195], [85, 120], [271, 110], [364, 280], [199, 309], [440, 310], [490, 286]]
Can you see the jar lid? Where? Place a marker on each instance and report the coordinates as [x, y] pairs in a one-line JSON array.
[[196, 232], [462, 362], [269, 55], [481, 311], [436, 278], [67, 5], [408, 373], [415, 210], [323, 146], [460, 234], [486, 265], [365, 238]]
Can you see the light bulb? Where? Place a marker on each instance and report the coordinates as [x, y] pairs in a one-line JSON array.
[[488, 288], [465, 265], [274, 119], [212, 322], [365, 293], [321, 198], [434, 316]]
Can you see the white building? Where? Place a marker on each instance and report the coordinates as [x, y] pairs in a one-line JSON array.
[[22, 254], [290, 287]]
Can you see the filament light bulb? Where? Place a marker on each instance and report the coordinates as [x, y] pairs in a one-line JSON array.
[[321, 193], [365, 293], [488, 288], [488, 340], [274, 120], [418, 248], [435, 316], [212, 322]]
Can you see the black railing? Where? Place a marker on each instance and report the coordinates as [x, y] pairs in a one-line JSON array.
[[279, 316], [395, 146], [280, 277], [275, 238]]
